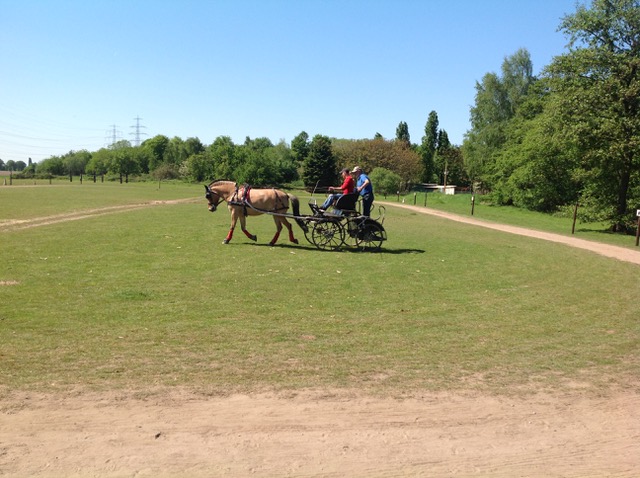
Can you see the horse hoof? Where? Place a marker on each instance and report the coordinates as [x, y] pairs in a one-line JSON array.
[[254, 238], [295, 241], [272, 243], [226, 241]]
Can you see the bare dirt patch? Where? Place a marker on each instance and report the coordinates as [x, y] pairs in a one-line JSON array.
[[320, 434]]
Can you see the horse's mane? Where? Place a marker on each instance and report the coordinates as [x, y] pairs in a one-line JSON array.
[[221, 181]]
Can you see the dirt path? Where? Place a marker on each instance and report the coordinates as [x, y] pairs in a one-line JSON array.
[[13, 225], [322, 433], [620, 253]]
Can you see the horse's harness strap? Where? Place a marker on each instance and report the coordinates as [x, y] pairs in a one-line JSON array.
[[282, 204], [241, 199]]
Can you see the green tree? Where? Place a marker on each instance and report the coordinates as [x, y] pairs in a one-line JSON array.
[[320, 164], [53, 166], [285, 165], [596, 101], [222, 153], [258, 144], [261, 164], [402, 133], [166, 171], [175, 152], [534, 170], [16, 165], [99, 162], [75, 162], [496, 102], [428, 146], [385, 181], [193, 145], [122, 159], [440, 158], [155, 148], [300, 147], [198, 167]]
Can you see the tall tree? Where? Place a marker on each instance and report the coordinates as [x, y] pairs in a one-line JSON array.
[[440, 158], [596, 101], [517, 78], [496, 102], [429, 145], [300, 147], [402, 133], [320, 164]]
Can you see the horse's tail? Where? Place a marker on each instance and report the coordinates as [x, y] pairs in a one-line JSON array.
[[295, 204]]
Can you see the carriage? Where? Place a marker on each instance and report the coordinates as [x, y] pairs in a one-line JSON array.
[[344, 226], [341, 226]]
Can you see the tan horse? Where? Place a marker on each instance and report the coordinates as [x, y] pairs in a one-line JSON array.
[[244, 201]]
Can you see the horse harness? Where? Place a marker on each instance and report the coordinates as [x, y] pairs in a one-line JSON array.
[[242, 197]]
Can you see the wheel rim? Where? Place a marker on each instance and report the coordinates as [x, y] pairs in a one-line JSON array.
[[327, 235], [370, 237]]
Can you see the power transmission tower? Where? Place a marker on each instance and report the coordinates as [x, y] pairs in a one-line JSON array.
[[137, 132], [113, 135]]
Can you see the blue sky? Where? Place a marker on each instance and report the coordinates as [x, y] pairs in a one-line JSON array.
[[72, 71]]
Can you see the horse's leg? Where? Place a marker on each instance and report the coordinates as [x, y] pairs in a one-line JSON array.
[[234, 219], [278, 223], [243, 225], [288, 224]]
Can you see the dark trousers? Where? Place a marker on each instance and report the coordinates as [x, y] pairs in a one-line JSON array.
[[367, 201]]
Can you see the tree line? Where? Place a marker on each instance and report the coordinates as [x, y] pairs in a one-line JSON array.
[[397, 163]]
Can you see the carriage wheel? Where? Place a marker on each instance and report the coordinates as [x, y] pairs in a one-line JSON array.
[[327, 235], [370, 236], [307, 233]]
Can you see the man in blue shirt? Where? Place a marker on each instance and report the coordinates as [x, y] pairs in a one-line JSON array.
[[364, 188]]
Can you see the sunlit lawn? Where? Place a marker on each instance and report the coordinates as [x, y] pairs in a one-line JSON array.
[[152, 298]]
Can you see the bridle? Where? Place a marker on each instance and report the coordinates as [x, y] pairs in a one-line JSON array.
[[214, 198]]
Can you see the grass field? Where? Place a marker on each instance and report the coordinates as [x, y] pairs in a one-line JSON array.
[[151, 297]]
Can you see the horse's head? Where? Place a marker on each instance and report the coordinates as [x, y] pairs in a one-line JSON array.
[[213, 197]]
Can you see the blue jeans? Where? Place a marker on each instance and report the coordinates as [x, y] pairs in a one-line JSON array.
[[330, 200]]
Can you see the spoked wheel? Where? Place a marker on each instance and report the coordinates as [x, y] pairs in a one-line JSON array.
[[327, 235], [370, 236], [307, 233]]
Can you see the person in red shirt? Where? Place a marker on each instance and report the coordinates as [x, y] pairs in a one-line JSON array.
[[347, 187]]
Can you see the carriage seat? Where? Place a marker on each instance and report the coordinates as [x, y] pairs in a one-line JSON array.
[[347, 203]]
